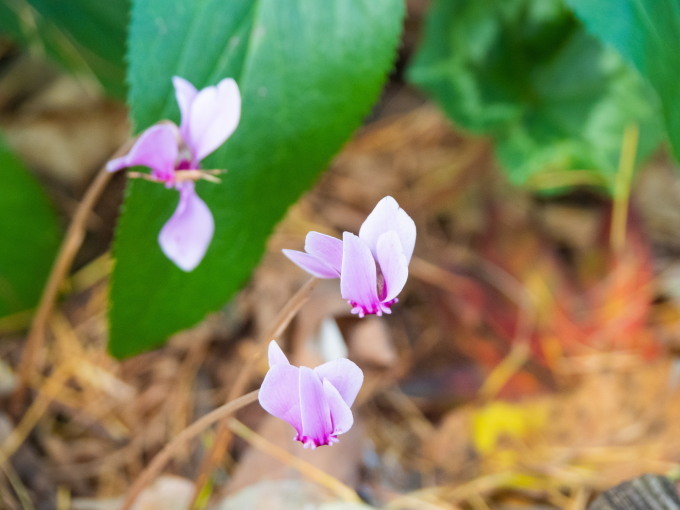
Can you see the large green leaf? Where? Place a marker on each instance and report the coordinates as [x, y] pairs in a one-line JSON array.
[[29, 233], [86, 36], [526, 73], [308, 72], [647, 34]]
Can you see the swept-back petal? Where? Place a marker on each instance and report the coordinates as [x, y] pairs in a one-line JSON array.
[[326, 248], [156, 148], [187, 234], [393, 264], [280, 394], [358, 275], [344, 375], [214, 115], [316, 416], [341, 415], [185, 93], [276, 355], [313, 265], [387, 215]]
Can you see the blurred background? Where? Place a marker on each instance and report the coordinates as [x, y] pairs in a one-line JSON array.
[[531, 360]]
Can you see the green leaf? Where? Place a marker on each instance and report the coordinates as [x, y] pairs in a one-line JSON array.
[[29, 234], [85, 36], [647, 34], [308, 72], [526, 73]]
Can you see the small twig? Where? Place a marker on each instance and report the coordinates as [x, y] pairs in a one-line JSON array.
[[501, 374], [67, 252], [283, 319], [310, 471], [19, 488], [193, 430], [622, 186], [50, 390]]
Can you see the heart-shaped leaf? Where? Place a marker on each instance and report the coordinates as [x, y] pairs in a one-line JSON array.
[[647, 34], [526, 73]]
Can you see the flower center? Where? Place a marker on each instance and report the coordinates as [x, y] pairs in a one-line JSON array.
[[378, 308], [311, 443]]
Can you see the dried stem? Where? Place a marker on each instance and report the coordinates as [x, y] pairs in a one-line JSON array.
[[283, 319], [310, 471], [50, 390], [193, 430], [67, 252], [622, 187]]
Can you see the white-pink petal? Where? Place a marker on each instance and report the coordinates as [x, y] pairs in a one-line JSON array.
[[314, 409], [386, 216], [185, 93], [393, 264], [358, 278], [187, 234], [276, 355], [341, 415], [313, 265], [326, 248], [280, 394], [344, 375], [155, 148], [214, 115]]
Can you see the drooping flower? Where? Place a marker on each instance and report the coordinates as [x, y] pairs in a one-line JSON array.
[[174, 155], [316, 402], [373, 266]]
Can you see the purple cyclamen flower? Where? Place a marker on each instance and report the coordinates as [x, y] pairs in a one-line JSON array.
[[373, 266], [174, 155], [316, 402]]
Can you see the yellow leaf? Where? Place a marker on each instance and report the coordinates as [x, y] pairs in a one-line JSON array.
[[500, 420]]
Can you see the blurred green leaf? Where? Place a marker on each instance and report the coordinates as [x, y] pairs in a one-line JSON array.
[[308, 72], [85, 36], [29, 236], [526, 73], [647, 34]]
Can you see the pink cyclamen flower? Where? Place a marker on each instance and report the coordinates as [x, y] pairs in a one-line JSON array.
[[174, 155], [373, 266], [316, 402]]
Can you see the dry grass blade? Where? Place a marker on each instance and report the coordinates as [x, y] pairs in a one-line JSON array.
[[282, 321], [193, 430], [313, 473]]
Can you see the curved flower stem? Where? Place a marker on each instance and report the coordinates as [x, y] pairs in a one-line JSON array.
[[283, 319], [67, 252], [193, 430]]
